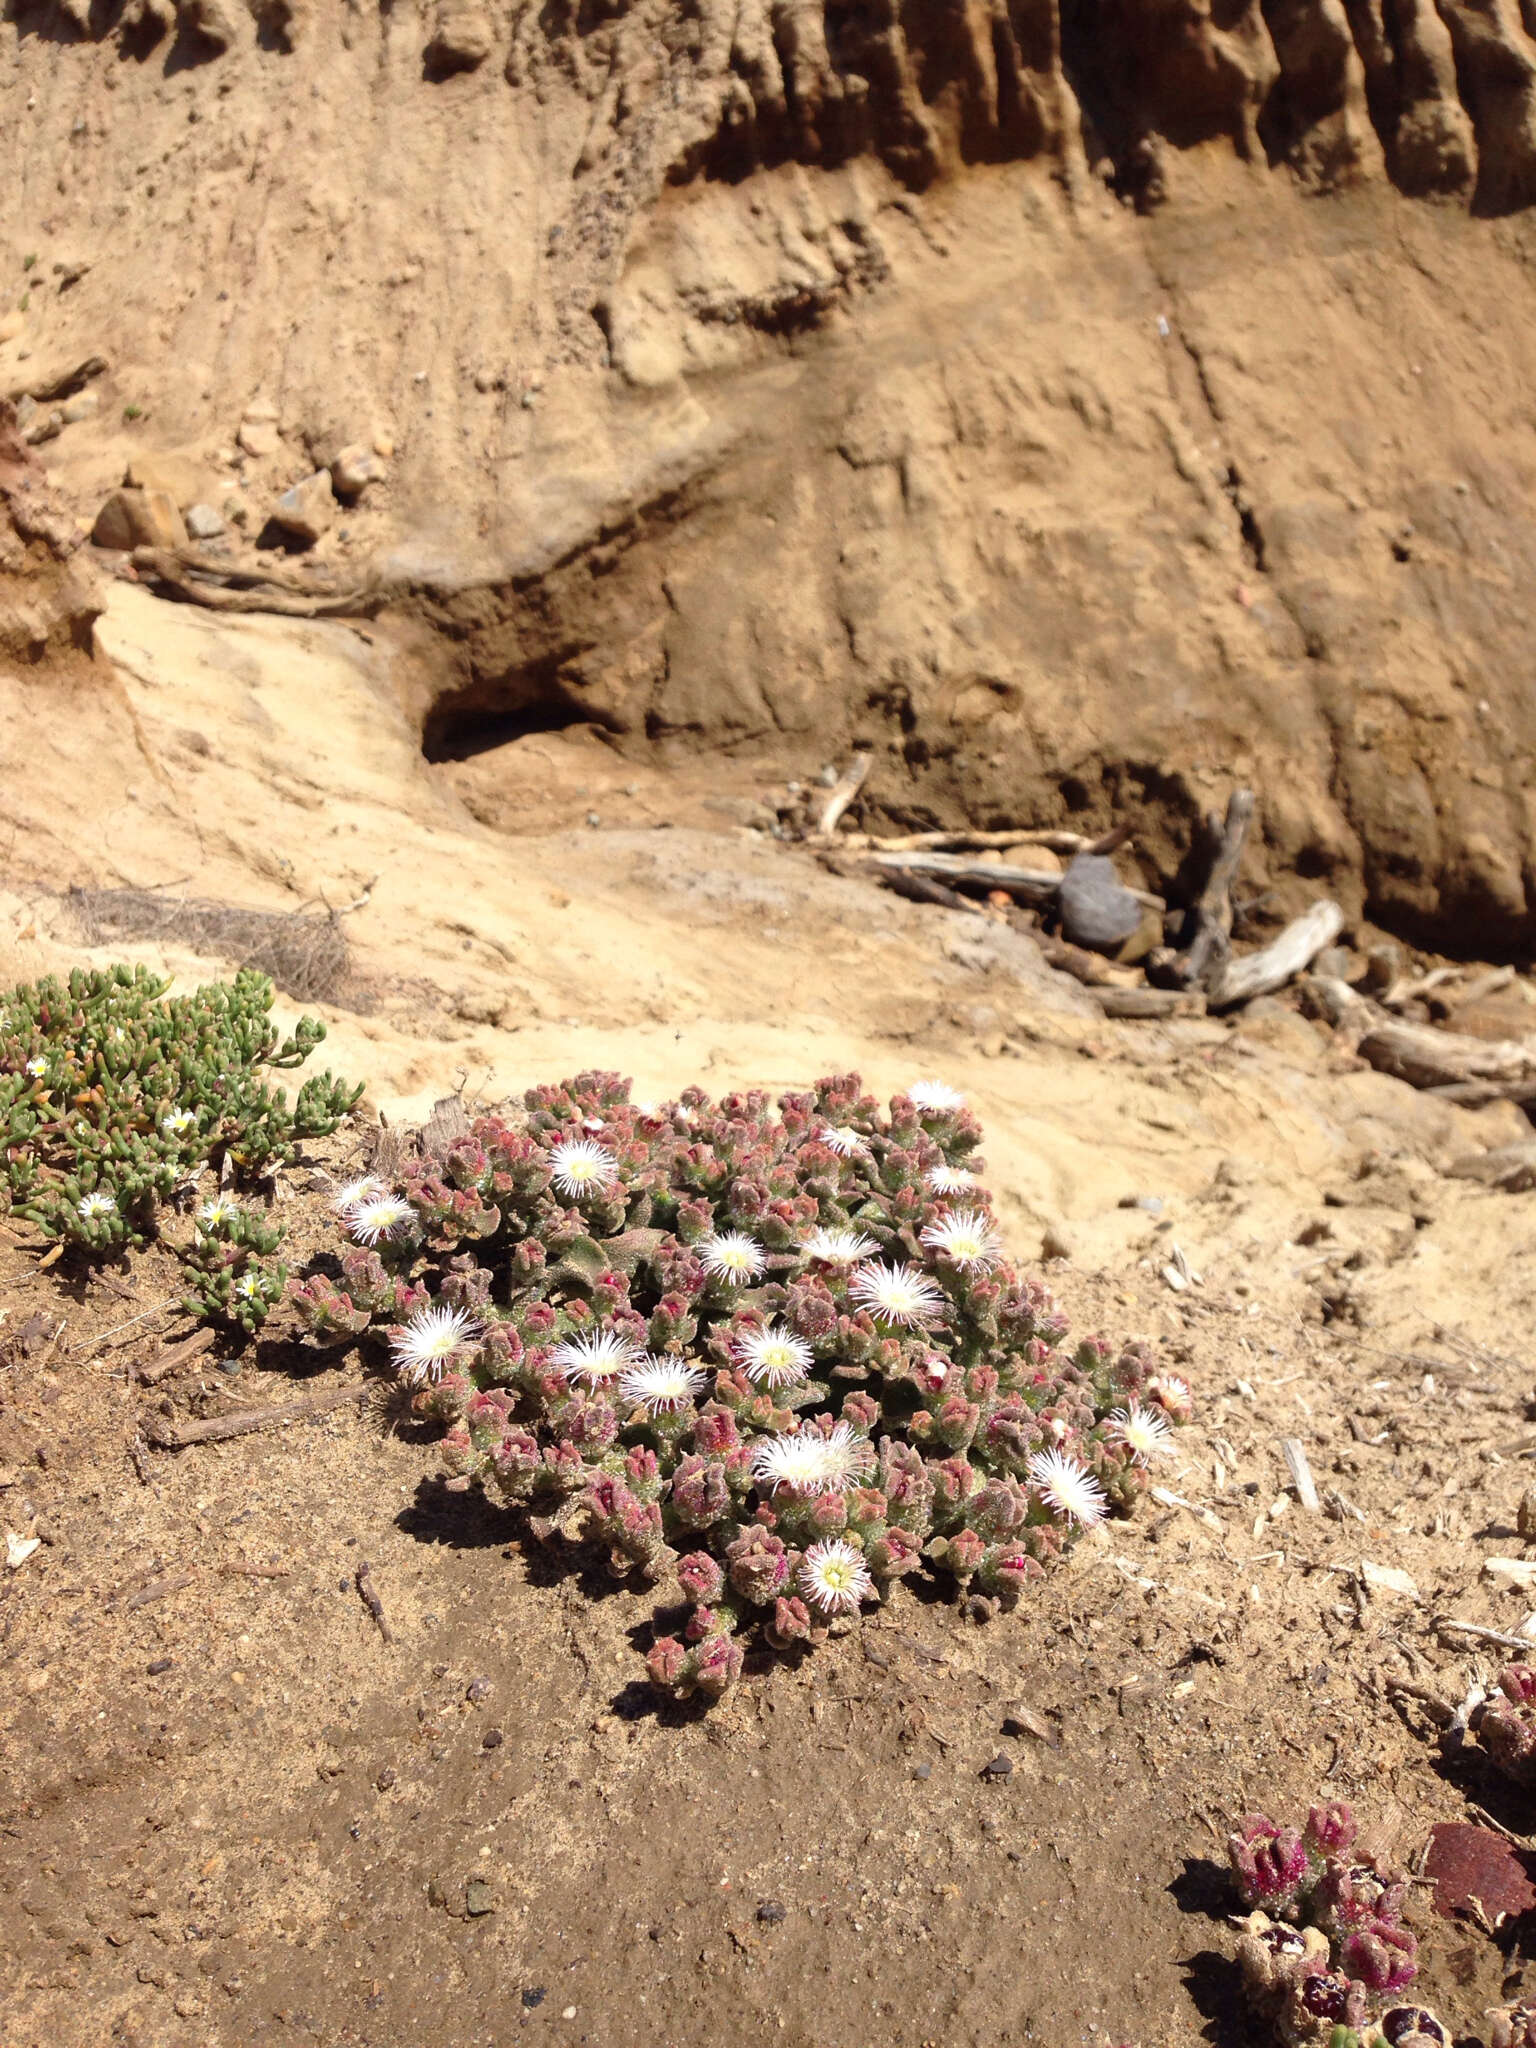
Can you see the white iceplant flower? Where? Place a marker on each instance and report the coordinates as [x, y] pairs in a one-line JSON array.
[[774, 1357], [1068, 1487], [96, 1204], [219, 1210], [809, 1462], [379, 1217], [580, 1167], [842, 1139], [596, 1356], [732, 1256], [838, 1247], [178, 1122], [899, 1295], [1143, 1431], [1167, 1391], [935, 1098], [833, 1577], [949, 1180], [662, 1386], [423, 1346], [248, 1286], [357, 1191], [37, 1066], [967, 1238]]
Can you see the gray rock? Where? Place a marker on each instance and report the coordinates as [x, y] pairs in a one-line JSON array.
[[84, 407], [308, 509], [1097, 910], [204, 523]]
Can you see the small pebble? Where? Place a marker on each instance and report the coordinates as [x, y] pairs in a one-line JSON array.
[[922, 1770], [1055, 1243], [534, 1995], [385, 1778], [771, 1912], [160, 1664], [477, 1689], [1001, 1766], [1152, 1204], [569, 2013], [492, 1739], [479, 1899]]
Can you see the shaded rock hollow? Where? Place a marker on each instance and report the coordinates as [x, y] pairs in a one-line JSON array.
[[1083, 404]]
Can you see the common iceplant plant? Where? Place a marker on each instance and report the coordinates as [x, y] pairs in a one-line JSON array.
[[1323, 1941], [113, 1094], [780, 1356]]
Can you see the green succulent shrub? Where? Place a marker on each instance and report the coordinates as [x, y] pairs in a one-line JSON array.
[[778, 1357], [113, 1094]]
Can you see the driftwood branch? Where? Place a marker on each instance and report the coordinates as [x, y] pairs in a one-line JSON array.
[[1209, 948], [1032, 885], [924, 889], [223, 587], [1091, 969], [842, 794], [177, 1356], [1150, 1002], [1428, 1058], [173, 1437], [963, 842], [1258, 974]]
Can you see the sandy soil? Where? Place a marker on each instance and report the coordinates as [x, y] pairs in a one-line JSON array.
[[233, 1811]]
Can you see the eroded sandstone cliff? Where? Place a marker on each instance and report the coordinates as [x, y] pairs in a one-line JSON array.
[[1081, 403]]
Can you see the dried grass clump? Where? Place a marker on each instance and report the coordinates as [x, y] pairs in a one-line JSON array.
[[304, 952]]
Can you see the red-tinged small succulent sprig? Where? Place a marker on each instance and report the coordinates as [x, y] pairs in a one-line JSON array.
[[1326, 1940], [779, 1352], [1506, 1724]]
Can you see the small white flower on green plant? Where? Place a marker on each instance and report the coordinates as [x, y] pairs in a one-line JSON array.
[[356, 1191], [1144, 1432], [833, 1577], [94, 1206], [596, 1356], [425, 1345], [37, 1066], [178, 1122], [732, 1256], [774, 1357], [965, 1238], [949, 1180], [580, 1167], [248, 1287], [218, 1211], [380, 1218], [808, 1462], [1068, 1488], [935, 1098], [898, 1295], [842, 1139], [838, 1247], [662, 1386]]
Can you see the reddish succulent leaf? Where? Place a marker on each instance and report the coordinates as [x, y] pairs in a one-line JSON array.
[[1468, 1863]]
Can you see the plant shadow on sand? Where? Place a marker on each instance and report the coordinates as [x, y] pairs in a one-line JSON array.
[[1203, 1890]]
